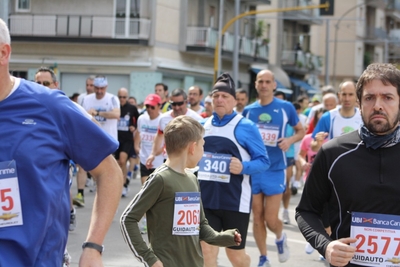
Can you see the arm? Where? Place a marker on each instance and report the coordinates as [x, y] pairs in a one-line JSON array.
[[136, 141], [129, 222], [109, 183], [249, 138], [156, 150], [285, 142], [113, 114], [321, 129]]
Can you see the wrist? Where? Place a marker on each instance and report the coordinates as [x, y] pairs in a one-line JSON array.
[[91, 245], [97, 113]]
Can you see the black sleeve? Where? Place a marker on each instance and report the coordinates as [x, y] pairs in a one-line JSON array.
[[316, 195], [135, 116]]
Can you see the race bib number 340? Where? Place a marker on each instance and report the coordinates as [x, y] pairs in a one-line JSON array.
[[10, 201], [378, 239], [215, 167], [186, 213]]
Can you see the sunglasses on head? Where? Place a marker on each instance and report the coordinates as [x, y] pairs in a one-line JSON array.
[[177, 103], [150, 107], [121, 96], [45, 83]]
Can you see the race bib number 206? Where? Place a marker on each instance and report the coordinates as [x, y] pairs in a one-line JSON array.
[[186, 213], [378, 239], [10, 201]]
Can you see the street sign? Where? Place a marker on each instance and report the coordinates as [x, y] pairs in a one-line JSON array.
[[327, 11]]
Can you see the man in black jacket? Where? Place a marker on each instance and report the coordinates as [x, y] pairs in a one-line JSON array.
[[357, 174]]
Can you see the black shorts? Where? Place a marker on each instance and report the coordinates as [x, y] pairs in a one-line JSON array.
[[124, 146], [144, 171], [222, 220]]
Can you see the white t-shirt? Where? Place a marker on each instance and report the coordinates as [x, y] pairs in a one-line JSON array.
[[81, 97], [107, 103], [147, 129], [168, 116]]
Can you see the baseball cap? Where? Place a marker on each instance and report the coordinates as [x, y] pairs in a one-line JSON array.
[[225, 84], [152, 100], [316, 98], [208, 99]]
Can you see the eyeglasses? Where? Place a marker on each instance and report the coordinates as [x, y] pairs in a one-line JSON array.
[[45, 83], [176, 103], [121, 96], [150, 107]]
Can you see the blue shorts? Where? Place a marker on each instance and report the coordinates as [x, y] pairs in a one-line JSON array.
[[269, 182], [290, 161]]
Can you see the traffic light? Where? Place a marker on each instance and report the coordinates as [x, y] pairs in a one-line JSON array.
[[327, 11]]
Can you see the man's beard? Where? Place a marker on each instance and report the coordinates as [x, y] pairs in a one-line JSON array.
[[381, 127]]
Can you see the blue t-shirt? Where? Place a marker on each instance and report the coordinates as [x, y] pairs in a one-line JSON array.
[[41, 130], [272, 120]]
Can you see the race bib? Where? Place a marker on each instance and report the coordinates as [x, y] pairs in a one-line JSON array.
[[215, 167], [123, 124], [378, 239], [10, 200], [269, 134], [186, 213]]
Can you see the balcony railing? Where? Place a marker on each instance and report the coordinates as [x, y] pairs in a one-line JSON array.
[[78, 26], [392, 5], [207, 37], [302, 3], [376, 33], [302, 61]]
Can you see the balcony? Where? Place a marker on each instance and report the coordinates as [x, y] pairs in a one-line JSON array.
[[79, 28], [305, 16], [375, 36], [300, 62], [393, 9], [203, 40]]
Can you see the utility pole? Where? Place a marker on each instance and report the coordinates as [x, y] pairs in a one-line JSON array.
[[217, 52]]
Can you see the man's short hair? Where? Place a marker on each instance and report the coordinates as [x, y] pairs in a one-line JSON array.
[[46, 69], [163, 85], [197, 87], [387, 73], [301, 98], [4, 33], [242, 91], [180, 132], [91, 77], [280, 93], [296, 106], [330, 96], [328, 89], [179, 92]]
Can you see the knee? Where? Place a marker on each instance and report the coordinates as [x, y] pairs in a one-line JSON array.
[[239, 258], [258, 217]]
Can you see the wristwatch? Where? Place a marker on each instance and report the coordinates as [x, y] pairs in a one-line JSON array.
[[95, 246], [98, 112]]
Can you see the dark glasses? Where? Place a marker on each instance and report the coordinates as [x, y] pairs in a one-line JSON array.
[[177, 103], [150, 107], [45, 83], [121, 96]]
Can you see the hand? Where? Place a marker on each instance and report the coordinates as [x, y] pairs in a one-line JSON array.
[[284, 144], [339, 253], [158, 264], [92, 112], [235, 166], [90, 258], [306, 166], [320, 137], [237, 238], [149, 161], [132, 128]]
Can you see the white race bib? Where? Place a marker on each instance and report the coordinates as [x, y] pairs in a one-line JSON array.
[[214, 167], [186, 213], [378, 239], [269, 134], [10, 200]]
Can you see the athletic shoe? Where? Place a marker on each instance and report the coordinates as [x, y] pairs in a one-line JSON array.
[[285, 217], [124, 191], [143, 231], [79, 200], [309, 249], [67, 259], [293, 190], [297, 184], [283, 249], [89, 182], [72, 220], [263, 262]]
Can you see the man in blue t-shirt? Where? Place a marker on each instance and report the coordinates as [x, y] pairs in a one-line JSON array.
[[271, 115], [41, 131]]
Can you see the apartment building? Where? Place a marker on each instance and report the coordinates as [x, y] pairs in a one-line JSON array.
[[136, 43], [360, 32], [297, 66]]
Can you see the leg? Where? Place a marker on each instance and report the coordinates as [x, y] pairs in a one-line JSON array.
[[259, 230], [79, 199], [238, 257], [123, 158], [287, 193], [271, 210], [210, 254]]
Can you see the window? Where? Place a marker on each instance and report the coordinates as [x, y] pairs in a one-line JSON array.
[[212, 16], [23, 5]]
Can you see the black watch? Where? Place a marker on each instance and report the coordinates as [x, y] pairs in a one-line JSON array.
[[98, 113], [95, 246]]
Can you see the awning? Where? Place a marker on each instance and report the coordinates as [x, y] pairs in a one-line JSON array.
[[302, 84]]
